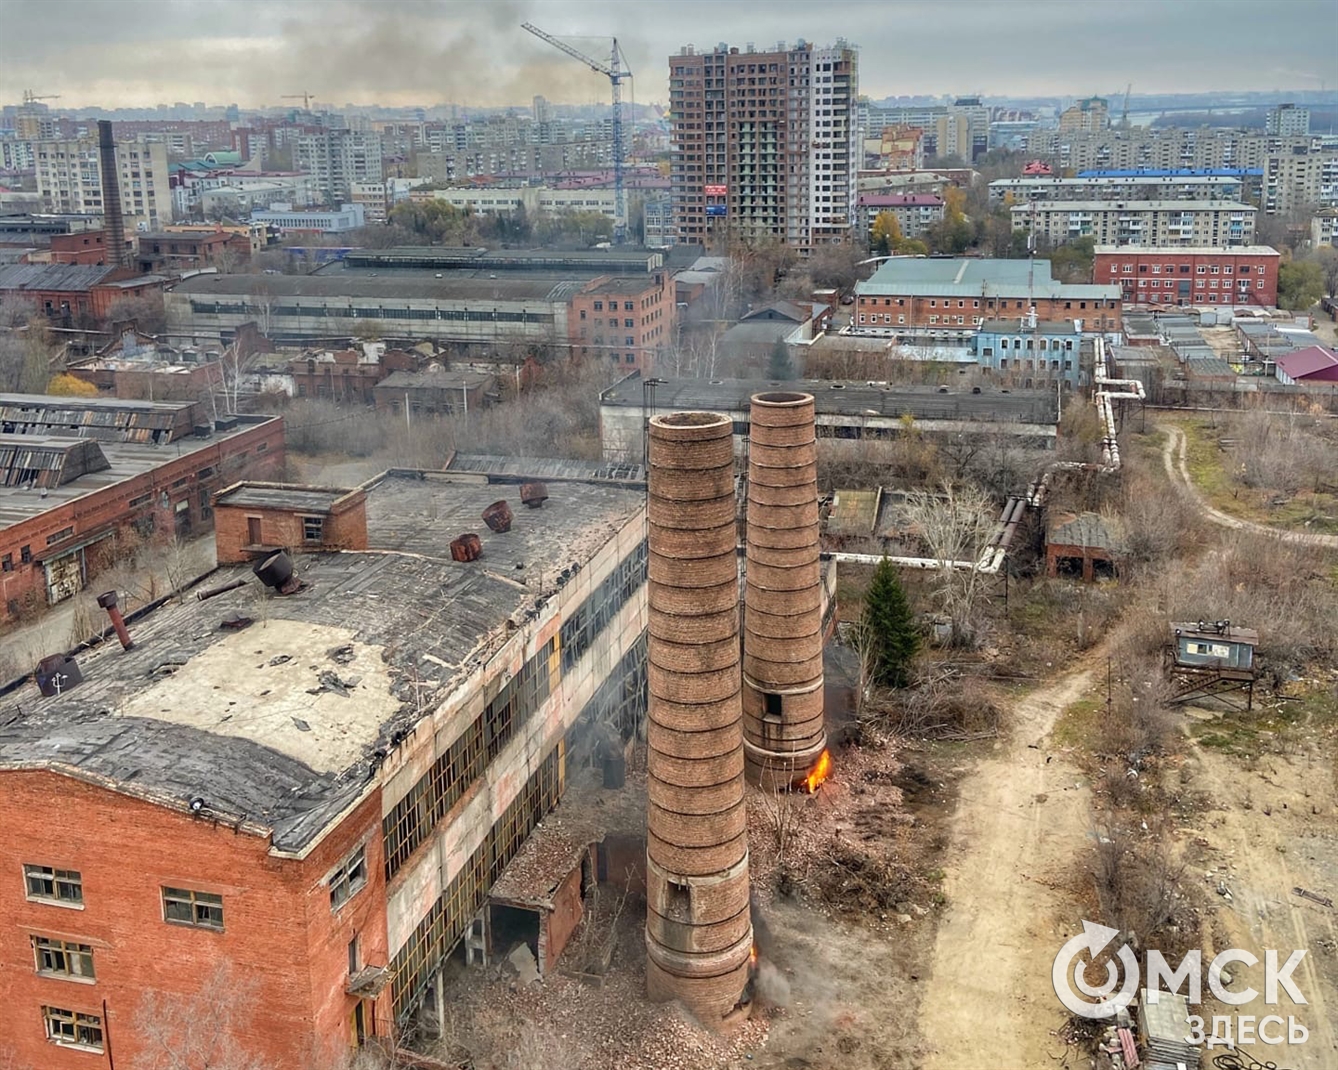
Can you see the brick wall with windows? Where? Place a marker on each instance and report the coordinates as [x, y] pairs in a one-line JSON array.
[[106, 897], [242, 531], [1225, 277], [171, 499], [623, 320], [879, 313]]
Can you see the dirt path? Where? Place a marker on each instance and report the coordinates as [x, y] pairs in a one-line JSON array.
[[1021, 822], [1173, 457], [1272, 828]]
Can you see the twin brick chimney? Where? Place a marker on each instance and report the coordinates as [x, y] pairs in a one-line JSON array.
[[710, 717]]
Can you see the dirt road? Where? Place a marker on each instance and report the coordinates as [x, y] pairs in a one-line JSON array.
[[1173, 457], [1272, 828], [1021, 823]]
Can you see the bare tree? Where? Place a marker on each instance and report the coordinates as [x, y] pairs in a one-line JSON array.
[[199, 1031], [955, 525]]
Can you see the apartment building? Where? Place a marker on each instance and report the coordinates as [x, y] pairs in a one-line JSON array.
[[1287, 120], [1122, 187], [397, 723], [1087, 115], [69, 179], [1246, 275], [1151, 223], [1324, 228], [765, 144], [949, 298], [337, 159], [1302, 178], [914, 212], [1203, 148]]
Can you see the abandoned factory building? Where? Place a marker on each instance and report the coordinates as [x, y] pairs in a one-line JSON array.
[[345, 740], [83, 481], [844, 410]]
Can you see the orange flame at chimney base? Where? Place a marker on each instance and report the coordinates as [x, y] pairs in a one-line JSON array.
[[821, 770]]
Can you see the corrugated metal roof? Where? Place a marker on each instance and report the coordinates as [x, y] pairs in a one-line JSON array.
[[59, 277], [966, 277]]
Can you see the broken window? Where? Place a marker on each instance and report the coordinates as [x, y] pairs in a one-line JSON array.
[[62, 958], [73, 1028], [313, 528], [348, 879], [58, 885], [183, 906]]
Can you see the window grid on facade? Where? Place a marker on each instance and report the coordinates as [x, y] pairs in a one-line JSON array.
[[183, 906], [417, 962], [62, 958], [72, 1028], [349, 878], [59, 885]]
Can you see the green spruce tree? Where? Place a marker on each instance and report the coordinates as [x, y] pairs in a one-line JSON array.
[[888, 627]]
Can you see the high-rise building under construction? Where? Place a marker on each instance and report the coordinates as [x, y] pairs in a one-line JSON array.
[[764, 144]]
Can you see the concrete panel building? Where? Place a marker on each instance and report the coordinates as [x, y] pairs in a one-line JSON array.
[[1152, 187], [69, 179], [346, 770], [337, 159], [1151, 223]]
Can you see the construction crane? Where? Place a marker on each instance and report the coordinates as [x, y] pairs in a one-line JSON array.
[[616, 71], [29, 97], [305, 98]]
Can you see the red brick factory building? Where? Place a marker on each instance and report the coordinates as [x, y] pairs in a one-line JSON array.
[[1244, 275], [81, 478], [314, 776]]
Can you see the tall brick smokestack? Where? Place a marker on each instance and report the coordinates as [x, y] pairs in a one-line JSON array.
[[112, 220], [699, 934], [783, 732]]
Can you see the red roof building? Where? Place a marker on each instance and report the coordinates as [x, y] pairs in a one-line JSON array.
[[1314, 364]]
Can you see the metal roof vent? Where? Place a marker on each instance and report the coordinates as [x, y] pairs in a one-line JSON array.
[[276, 571], [57, 674], [498, 517], [466, 547], [533, 494]]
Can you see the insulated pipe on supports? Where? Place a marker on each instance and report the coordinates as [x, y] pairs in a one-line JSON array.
[[699, 933], [783, 730]]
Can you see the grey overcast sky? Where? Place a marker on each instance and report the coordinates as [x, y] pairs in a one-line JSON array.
[[126, 53]]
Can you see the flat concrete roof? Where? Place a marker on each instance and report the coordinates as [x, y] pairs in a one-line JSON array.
[[282, 496], [970, 277], [846, 398], [127, 460], [1188, 250], [282, 725], [408, 284]]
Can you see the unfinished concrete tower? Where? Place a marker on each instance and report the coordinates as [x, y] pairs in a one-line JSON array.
[[783, 733], [699, 933]]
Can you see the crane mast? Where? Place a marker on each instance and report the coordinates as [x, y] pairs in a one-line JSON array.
[[616, 71]]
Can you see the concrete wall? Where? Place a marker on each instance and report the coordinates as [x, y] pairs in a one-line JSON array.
[[279, 933], [420, 881], [622, 431]]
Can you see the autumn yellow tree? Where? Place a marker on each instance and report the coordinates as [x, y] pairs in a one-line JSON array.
[[65, 385], [885, 235]]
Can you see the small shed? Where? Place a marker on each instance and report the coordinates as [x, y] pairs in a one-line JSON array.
[[1212, 658], [1082, 546], [1217, 644]]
